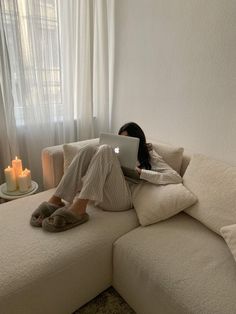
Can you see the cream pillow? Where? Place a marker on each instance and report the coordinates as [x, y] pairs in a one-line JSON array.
[[172, 155], [214, 183], [70, 150], [229, 235], [154, 203]]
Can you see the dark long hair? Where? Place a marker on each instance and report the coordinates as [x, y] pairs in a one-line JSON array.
[[134, 130]]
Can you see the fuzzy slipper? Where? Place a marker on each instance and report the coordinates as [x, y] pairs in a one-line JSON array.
[[63, 219], [44, 210]]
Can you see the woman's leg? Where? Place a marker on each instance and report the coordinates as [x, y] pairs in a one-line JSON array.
[[71, 181], [104, 183], [69, 185]]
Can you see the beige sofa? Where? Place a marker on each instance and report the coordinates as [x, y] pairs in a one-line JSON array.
[[178, 265]]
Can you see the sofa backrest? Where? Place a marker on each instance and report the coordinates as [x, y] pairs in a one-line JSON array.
[[53, 160]]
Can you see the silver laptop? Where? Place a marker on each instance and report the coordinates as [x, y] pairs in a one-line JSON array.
[[126, 148]]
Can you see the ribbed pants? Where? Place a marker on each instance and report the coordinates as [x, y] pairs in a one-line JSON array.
[[95, 174]]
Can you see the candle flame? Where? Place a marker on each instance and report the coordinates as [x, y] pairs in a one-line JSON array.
[[16, 157], [8, 167]]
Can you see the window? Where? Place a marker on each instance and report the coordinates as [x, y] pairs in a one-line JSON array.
[[32, 33]]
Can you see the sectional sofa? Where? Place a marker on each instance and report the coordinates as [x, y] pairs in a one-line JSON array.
[[184, 264]]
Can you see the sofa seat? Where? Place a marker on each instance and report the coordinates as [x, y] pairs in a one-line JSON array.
[[175, 266], [65, 269]]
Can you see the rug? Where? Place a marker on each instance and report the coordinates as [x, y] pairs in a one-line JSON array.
[[108, 302]]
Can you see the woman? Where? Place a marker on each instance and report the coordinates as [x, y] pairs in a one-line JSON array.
[[96, 174]]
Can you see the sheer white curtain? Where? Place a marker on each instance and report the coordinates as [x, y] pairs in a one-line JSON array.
[[8, 142], [61, 56], [88, 26]]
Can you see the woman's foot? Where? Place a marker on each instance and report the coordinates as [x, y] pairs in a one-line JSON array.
[[79, 206], [67, 217], [64, 219], [55, 200], [44, 210]]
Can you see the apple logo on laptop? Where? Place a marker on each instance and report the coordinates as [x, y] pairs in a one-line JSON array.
[[117, 150]]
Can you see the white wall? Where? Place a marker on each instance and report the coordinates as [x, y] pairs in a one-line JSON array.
[[175, 72]]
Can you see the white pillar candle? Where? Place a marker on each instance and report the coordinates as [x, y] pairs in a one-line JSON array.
[[27, 172], [23, 183], [10, 179], [17, 166]]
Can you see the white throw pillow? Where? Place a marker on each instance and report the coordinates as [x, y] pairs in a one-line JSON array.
[[214, 183], [172, 155], [154, 203], [71, 150], [229, 235]]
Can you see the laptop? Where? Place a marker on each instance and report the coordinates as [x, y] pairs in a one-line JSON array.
[[126, 149]]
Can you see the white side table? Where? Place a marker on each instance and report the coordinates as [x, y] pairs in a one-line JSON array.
[[4, 194]]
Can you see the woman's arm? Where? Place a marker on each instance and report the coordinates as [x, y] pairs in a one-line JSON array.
[[155, 177], [160, 173]]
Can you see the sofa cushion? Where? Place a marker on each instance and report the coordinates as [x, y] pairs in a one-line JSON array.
[[154, 203], [214, 183], [175, 266], [229, 235], [50, 273]]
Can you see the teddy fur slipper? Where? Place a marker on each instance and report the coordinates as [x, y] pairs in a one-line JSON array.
[[63, 219], [44, 210]]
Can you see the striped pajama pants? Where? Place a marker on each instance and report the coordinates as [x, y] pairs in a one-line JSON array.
[[95, 174]]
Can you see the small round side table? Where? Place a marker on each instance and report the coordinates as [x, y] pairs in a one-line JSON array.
[[4, 194]]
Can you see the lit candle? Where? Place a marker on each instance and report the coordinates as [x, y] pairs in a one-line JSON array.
[[17, 166], [23, 183], [10, 179], [27, 172]]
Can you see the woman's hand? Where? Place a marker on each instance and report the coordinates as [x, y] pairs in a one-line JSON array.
[[138, 170]]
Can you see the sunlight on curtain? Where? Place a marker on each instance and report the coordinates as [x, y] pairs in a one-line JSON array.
[[32, 35], [61, 67], [31, 29]]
